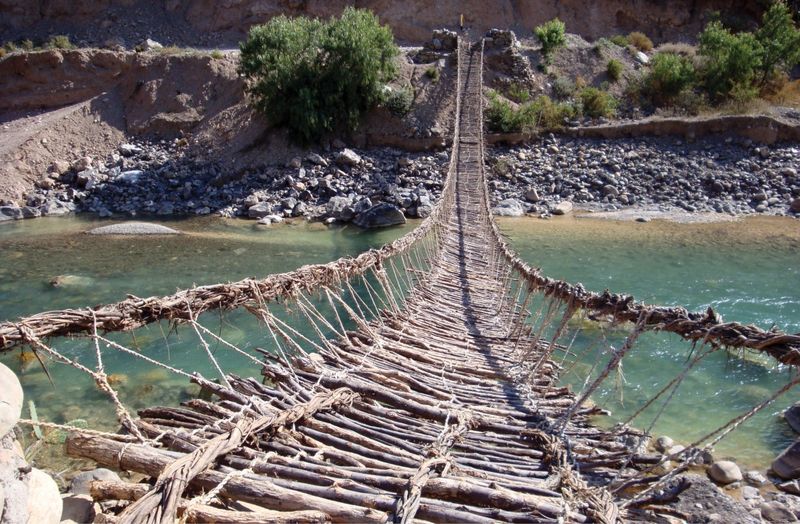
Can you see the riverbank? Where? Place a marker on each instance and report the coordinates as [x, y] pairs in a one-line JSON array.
[[644, 178]]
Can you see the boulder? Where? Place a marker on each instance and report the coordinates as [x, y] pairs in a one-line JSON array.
[[794, 207], [663, 444], [10, 213], [44, 500], [724, 472], [792, 487], [82, 164], [54, 208], [83, 481], [380, 215], [316, 159], [532, 195], [77, 509], [149, 45], [130, 177], [2, 498], [270, 219], [129, 149], [563, 208], [348, 157], [10, 400], [424, 210], [792, 416], [59, 167], [511, 207], [134, 228], [259, 210], [787, 465], [776, 512], [336, 205], [641, 58], [295, 163]]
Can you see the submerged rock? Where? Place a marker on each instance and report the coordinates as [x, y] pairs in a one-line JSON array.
[[134, 228], [380, 215], [792, 416]]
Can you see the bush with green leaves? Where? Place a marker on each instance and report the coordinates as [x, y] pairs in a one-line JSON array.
[[779, 38], [59, 42], [729, 60], [620, 40], [551, 35], [540, 114], [614, 70], [670, 75], [398, 100], [433, 74], [563, 88], [518, 93], [315, 76], [597, 103]]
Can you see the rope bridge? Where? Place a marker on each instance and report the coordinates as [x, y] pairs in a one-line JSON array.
[[419, 381]]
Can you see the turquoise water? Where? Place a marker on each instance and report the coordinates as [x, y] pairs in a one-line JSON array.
[[747, 271]]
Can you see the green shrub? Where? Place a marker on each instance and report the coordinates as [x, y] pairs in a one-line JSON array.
[[27, 44], [9, 47], [563, 88], [540, 114], [620, 40], [315, 76], [597, 103], [59, 42], [640, 41], [216, 54], [518, 93], [614, 70], [398, 100], [670, 75], [551, 35], [779, 39], [433, 73], [728, 59]]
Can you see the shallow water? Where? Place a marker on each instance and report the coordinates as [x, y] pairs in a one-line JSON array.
[[746, 270]]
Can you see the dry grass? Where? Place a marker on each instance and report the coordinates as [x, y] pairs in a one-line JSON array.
[[788, 95], [640, 41], [678, 48]]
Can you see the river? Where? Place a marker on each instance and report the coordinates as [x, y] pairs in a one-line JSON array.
[[746, 270]]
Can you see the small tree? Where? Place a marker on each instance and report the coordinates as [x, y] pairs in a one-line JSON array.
[[314, 76], [779, 39], [552, 36], [670, 75], [730, 60]]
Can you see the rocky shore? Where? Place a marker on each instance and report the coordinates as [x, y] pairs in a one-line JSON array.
[[734, 177], [379, 187]]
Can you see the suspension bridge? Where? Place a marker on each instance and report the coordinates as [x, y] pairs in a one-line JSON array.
[[425, 389]]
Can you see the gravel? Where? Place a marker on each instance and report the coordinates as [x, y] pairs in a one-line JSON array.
[[730, 177]]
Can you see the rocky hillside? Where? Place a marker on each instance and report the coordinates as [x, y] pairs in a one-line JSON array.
[[212, 23]]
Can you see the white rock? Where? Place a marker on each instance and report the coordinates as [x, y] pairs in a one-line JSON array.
[[642, 58], [129, 149], [10, 400], [44, 500], [724, 472], [563, 208], [664, 443], [2, 498], [348, 157]]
